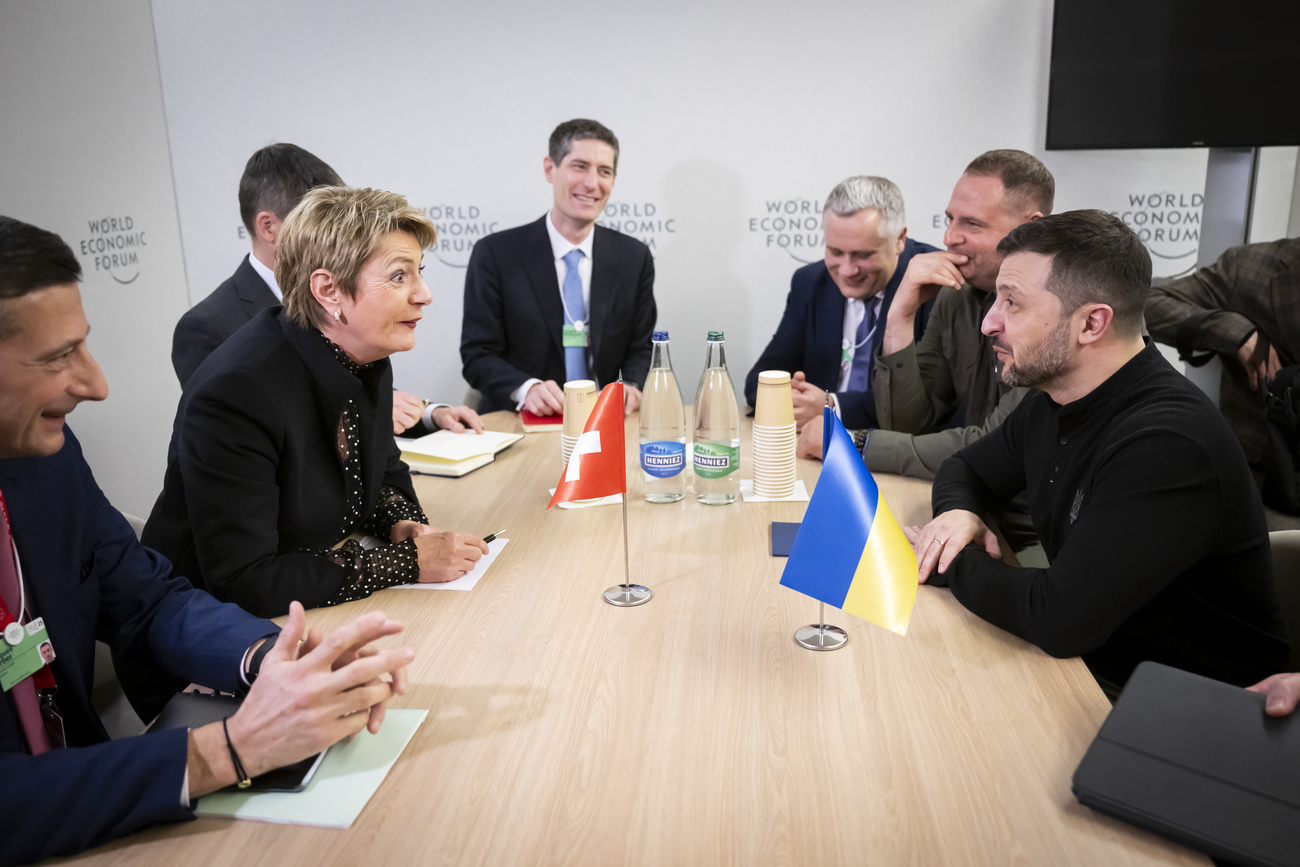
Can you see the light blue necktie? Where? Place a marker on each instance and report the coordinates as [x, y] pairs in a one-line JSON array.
[[860, 375], [575, 310]]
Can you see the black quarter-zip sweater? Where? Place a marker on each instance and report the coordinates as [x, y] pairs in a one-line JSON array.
[[1151, 521]]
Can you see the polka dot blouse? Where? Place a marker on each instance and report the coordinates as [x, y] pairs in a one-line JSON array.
[[386, 565]]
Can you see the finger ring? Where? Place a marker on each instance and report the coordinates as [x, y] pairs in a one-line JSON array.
[[940, 541]]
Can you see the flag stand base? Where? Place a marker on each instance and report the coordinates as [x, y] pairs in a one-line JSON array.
[[627, 595], [821, 637]]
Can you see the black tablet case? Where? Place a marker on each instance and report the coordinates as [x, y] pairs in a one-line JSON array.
[[1199, 762]]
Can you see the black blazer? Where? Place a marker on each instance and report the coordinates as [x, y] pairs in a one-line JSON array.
[[513, 314], [254, 478], [208, 324]]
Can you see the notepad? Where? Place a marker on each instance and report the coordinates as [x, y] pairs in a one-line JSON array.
[[534, 423], [344, 783], [783, 533], [444, 453]]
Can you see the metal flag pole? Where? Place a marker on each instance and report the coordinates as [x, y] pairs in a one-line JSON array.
[[821, 635], [627, 594]]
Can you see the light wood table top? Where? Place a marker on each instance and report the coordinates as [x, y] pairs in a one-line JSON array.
[[693, 730]]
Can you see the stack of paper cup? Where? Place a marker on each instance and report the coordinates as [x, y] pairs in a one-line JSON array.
[[579, 398], [774, 436]]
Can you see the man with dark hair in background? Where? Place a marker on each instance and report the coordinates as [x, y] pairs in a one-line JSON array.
[[274, 181], [1136, 486], [71, 571], [560, 298]]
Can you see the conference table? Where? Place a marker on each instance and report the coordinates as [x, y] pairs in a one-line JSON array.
[[693, 729]]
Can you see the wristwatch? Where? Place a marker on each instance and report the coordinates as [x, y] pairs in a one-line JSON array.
[[255, 662]]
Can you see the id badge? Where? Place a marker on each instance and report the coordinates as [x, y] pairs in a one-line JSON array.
[[846, 352], [24, 651], [575, 335]]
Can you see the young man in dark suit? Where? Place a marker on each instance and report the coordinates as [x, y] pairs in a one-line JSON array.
[[274, 181], [560, 298], [835, 313], [71, 572]]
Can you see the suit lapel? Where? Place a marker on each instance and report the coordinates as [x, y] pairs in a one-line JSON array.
[[602, 290], [539, 262], [252, 289], [829, 330]]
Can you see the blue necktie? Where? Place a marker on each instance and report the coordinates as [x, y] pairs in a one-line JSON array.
[[575, 310], [860, 375]]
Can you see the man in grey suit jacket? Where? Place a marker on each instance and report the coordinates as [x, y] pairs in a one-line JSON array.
[[274, 181], [560, 298]]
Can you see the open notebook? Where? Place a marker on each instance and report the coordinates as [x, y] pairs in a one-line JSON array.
[[444, 453]]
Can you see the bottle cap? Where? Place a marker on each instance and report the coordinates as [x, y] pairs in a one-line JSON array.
[[716, 336], [659, 336]]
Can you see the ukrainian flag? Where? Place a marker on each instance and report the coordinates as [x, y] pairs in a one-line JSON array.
[[850, 551]]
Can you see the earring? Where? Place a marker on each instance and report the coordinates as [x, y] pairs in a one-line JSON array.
[[336, 314]]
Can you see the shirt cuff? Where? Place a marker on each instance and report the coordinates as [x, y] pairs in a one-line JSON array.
[[520, 393], [427, 417]]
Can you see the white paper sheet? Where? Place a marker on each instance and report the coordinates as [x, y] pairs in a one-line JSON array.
[[470, 578]]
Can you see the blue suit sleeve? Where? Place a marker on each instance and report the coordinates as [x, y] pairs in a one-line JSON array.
[[785, 351], [65, 801]]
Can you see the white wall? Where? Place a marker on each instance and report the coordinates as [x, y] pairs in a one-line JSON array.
[[728, 114], [83, 143]]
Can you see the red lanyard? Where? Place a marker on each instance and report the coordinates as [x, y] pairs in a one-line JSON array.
[[44, 679]]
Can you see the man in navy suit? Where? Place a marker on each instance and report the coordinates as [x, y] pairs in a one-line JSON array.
[[274, 181], [560, 298], [835, 313], [70, 562]]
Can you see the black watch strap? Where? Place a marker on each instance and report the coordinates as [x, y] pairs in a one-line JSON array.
[[255, 664]]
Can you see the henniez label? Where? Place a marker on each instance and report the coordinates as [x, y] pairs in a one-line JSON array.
[[662, 459], [714, 460]]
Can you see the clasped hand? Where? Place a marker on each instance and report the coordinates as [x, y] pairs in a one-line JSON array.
[[310, 695], [809, 400], [938, 542]]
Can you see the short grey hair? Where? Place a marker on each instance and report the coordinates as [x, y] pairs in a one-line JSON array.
[[868, 191]]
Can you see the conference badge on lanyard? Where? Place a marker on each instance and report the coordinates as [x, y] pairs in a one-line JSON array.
[[24, 651], [576, 335]]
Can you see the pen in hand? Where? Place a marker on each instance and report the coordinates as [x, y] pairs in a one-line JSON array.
[[489, 538]]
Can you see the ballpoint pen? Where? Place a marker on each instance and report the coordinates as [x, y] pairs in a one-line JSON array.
[[489, 538]]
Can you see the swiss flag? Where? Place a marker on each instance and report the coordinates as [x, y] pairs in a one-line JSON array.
[[598, 465]]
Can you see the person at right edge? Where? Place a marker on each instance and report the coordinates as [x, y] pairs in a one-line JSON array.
[[1135, 484], [1245, 308]]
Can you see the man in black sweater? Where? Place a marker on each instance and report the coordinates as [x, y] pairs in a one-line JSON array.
[[1136, 486]]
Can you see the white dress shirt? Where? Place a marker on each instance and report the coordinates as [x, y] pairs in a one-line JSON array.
[[266, 274], [560, 247]]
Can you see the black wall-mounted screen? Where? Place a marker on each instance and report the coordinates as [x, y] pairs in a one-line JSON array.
[[1174, 73]]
